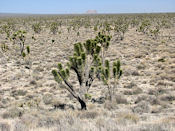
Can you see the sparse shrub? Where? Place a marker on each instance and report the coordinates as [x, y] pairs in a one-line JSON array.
[[89, 115], [142, 107], [137, 91], [4, 126], [110, 105], [129, 117], [13, 112], [18, 93], [120, 99], [48, 98], [167, 97]]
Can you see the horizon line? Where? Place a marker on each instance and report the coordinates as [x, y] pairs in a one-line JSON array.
[[16, 13]]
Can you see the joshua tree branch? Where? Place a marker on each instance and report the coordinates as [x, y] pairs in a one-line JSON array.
[[66, 82], [78, 75]]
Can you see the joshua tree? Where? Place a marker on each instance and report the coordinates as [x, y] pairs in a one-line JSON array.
[[7, 29], [106, 77], [36, 27], [54, 28], [120, 30], [87, 65], [95, 28], [155, 32], [144, 27], [19, 37]]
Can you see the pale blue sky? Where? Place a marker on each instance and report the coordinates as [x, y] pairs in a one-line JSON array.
[[81, 6]]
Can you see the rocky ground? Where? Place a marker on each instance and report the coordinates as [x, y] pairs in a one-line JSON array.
[[144, 100]]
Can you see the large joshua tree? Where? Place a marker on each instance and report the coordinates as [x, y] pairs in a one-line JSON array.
[[86, 63]]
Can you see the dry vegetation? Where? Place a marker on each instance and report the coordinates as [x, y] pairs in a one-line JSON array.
[[143, 99]]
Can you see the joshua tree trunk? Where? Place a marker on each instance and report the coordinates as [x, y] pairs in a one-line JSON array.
[[82, 103], [21, 48]]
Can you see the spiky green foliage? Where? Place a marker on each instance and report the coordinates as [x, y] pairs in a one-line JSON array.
[[56, 76], [106, 76], [28, 49], [117, 72], [60, 67], [107, 64], [23, 54]]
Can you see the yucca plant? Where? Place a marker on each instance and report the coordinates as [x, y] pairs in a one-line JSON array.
[[7, 29], [144, 27], [155, 32], [120, 29], [107, 77], [19, 37], [96, 28], [86, 62], [54, 28], [37, 27]]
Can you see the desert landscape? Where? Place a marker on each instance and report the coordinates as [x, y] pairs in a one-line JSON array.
[[140, 97]]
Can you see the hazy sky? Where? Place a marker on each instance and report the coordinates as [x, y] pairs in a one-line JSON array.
[[81, 6]]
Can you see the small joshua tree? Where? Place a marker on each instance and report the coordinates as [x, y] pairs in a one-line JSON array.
[[144, 27], [120, 30], [36, 28], [7, 29], [54, 28], [107, 77], [19, 37], [155, 32], [87, 65]]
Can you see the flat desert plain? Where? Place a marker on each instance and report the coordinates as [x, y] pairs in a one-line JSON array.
[[143, 100]]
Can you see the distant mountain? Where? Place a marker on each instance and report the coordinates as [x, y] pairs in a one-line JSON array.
[[91, 12]]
